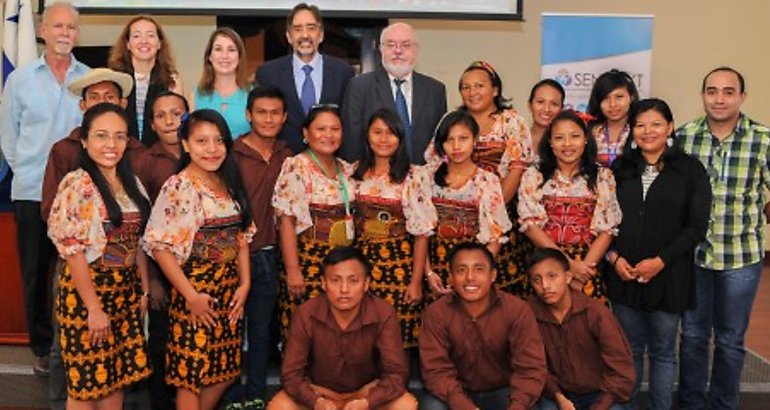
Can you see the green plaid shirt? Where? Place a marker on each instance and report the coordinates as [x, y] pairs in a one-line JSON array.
[[739, 170]]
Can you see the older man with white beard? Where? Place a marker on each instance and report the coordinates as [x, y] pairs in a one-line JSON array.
[[419, 100]]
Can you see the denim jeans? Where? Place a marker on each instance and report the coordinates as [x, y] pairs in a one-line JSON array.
[[260, 305], [581, 402], [723, 303], [489, 400], [654, 333]]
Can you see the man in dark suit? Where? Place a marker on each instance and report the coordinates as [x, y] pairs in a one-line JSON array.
[[419, 100], [306, 77]]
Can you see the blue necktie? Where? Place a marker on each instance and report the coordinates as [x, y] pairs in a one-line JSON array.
[[403, 113], [308, 90]]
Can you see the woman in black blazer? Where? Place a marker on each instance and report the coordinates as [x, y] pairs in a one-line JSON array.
[[665, 197]]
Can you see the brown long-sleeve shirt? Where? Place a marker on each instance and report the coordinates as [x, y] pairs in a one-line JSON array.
[[318, 351], [63, 159], [153, 167], [259, 176], [587, 351], [500, 348]]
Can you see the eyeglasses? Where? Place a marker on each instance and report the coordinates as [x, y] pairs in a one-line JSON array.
[[404, 45], [104, 136]]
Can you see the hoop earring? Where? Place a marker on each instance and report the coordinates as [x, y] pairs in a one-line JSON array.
[[633, 145], [670, 142]]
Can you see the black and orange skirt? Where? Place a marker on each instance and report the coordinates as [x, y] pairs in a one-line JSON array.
[[596, 286], [391, 260], [95, 372], [198, 356], [311, 253]]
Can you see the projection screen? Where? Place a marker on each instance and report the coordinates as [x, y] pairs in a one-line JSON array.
[[448, 9]]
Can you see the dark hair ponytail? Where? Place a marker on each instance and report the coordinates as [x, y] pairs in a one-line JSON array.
[[228, 171], [548, 163], [399, 162], [124, 171], [451, 119]]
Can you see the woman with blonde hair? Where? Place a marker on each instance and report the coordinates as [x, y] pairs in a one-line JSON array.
[[143, 50], [224, 84]]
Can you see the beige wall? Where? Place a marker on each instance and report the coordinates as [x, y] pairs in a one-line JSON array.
[[188, 36], [690, 37]]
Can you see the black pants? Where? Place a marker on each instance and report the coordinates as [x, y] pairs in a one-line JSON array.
[[35, 256], [161, 394]]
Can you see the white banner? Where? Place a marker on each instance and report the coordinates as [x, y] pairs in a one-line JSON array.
[[577, 48]]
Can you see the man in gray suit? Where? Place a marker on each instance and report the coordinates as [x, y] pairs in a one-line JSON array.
[[419, 100]]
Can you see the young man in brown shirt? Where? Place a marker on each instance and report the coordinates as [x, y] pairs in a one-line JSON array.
[[154, 166], [344, 349], [589, 362], [157, 163], [479, 348], [259, 156]]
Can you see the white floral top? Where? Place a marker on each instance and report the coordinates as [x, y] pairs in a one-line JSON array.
[[184, 205], [484, 191], [301, 183], [532, 212], [75, 223], [607, 152], [415, 196], [509, 134]]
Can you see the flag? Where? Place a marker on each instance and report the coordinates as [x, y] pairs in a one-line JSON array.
[[19, 45], [19, 48]]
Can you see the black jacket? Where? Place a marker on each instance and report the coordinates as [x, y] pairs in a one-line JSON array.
[[371, 91], [280, 73], [148, 136], [669, 223]]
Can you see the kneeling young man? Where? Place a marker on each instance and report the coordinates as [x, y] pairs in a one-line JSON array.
[[589, 362], [479, 347], [344, 350]]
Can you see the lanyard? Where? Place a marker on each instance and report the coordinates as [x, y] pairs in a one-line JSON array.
[[612, 151], [340, 179]]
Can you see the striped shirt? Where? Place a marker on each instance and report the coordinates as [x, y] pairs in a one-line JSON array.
[[648, 177], [738, 169]]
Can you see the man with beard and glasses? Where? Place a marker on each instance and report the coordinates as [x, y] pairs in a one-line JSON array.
[[306, 77], [419, 100]]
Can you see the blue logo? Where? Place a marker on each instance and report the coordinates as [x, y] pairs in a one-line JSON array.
[[563, 77]]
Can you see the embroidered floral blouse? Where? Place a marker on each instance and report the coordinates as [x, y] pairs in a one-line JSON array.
[[510, 132], [301, 182], [606, 151], [414, 194], [482, 189], [607, 214], [75, 223], [184, 205]]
